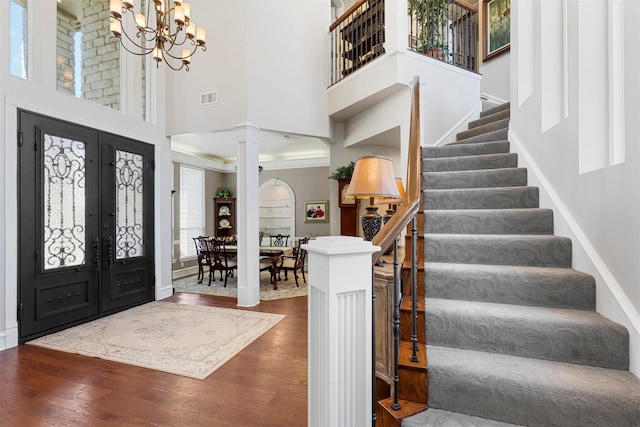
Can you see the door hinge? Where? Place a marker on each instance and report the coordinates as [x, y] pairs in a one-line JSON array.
[[20, 139], [20, 311]]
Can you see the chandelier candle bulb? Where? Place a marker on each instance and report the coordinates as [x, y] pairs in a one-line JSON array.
[[127, 4], [115, 7], [187, 11], [201, 35], [191, 30], [186, 54], [140, 20], [116, 28], [178, 15]]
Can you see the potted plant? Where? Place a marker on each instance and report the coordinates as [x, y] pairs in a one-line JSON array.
[[432, 17], [343, 172], [224, 192]]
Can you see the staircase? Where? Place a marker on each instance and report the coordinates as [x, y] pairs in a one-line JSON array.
[[511, 329]]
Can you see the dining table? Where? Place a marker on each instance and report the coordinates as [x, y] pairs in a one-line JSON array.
[[274, 253]]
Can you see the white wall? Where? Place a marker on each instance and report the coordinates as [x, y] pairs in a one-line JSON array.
[[495, 78], [550, 127], [39, 94], [269, 62]]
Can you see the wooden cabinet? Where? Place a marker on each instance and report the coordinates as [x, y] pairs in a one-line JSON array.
[[348, 210], [225, 216]]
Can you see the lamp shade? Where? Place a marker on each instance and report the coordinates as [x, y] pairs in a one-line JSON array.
[[392, 200], [373, 178]]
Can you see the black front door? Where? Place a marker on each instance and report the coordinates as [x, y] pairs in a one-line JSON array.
[[85, 224]]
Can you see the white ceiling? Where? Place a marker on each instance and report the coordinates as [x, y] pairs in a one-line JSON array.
[[272, 146]]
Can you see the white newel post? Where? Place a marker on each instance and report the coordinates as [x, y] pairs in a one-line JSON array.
[[340, 365]]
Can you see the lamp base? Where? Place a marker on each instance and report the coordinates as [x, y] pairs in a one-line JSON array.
[[371, 222]]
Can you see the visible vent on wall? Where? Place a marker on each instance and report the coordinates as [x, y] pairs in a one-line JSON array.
[[208, 98]]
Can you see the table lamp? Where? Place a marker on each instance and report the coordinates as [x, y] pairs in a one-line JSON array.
[[392, 201], [372, 178]]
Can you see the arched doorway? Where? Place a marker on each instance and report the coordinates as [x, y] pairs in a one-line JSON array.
[[277, 209]]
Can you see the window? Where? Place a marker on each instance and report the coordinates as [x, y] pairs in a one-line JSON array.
[[191, 209], [18, 38]]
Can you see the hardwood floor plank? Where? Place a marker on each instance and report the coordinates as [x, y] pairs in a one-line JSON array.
[[264, 385]]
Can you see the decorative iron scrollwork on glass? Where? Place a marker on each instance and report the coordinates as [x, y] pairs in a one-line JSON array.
[[129, 227], [64, 174]]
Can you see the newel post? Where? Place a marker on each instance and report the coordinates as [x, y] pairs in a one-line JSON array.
[[340, 331]]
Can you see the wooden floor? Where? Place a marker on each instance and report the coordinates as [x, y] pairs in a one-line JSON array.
[[264, 385]]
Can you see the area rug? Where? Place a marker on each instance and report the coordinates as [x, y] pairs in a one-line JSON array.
[[187, 340], [286, 289]]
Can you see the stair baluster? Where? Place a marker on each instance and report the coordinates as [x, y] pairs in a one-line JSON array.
[[396, 326], [414, 289]]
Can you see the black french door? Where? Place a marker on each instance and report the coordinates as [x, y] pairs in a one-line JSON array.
[[86, 245]]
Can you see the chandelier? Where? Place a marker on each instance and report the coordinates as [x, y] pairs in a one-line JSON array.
[[171, 37]]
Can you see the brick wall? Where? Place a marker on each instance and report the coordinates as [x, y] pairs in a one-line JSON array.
[[67, 26], [100, 56]]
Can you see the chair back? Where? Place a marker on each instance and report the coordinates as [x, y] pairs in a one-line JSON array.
[[279, 240], [200, 244], [301, 253], [215, 253]]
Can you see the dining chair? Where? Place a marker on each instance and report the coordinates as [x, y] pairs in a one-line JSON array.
[[295, 262], [201, 251], [279, 240], [217, 260]]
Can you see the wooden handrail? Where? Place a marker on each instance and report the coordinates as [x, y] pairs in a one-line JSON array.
[[411, 202], [346, 14]]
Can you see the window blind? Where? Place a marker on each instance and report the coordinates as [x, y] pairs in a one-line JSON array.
[[191, 209]]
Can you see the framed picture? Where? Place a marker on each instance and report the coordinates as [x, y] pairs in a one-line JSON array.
[[343, 186], [497, 24], [316, 211]]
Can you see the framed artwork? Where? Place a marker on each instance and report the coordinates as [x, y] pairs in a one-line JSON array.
[[497, 24], [343, 186], [316, 211]]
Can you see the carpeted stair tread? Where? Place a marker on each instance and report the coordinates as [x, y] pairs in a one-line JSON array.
[[486, 128], [491, 147], [505, 284], [496, 109], [496, 135], [441, 418], [490, 118], [489, 221], [482, 198], [564, 335], [475, 162], [486, 178], [533, 250], [531, 392]]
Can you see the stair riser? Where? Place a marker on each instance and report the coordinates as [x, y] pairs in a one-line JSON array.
[[491, 161], [498, 108], [550, 338], [512, 287], [413, 384], [504, 221], [420, 278], [480, 130], [552, 252], [457, 150], [512, 177], [489, 119], [497, 135], [494, 198], [406, 329]]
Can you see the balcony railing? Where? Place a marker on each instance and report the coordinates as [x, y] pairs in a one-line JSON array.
[[357, 38], [445, 30]]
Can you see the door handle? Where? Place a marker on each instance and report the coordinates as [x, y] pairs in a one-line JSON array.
[[95, 247], [108, 250]]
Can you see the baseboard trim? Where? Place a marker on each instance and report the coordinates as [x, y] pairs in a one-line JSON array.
[[598, 267], [184, 272], [492, 99], [9, 338]]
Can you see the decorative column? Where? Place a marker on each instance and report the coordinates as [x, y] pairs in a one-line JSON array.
[[247, 215], [340, 331]]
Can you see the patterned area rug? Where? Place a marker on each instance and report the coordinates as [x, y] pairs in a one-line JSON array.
[[153, 336], [286, 289]]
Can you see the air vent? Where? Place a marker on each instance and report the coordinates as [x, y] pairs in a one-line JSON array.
[[208, 98]]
